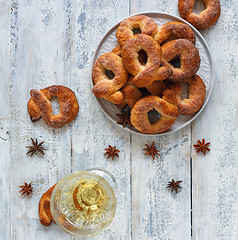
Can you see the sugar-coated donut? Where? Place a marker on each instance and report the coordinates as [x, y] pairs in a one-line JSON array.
[[125, 30], [156, 88], [166, 106], [196, 95], [105, 87], [145, 75], [206, 18], [174, 30], [39, 105], [189, 58], [117, 50], [44, 211], [131, 94]]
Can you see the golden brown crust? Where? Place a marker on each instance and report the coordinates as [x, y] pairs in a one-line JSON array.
[[174, 30], [39, 105], [196, 95], [45, 214], [131, 94], [117, 50], [165, 106], [189, 58], [105, 87], [125, 30], [164, 72], [145, 75], [206, 18], [156, 88]]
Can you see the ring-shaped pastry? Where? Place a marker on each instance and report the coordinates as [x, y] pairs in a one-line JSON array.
[[164, 72], [206, 18], [131, 94], [39, 105], [189, 58], [174, 30], [125, 30], [146, 74], [196, 95], [44, 211], [105, 87], [117, 50], [156, 88], [166, 106]]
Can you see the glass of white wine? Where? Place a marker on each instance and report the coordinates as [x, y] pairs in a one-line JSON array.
[[84, 203]]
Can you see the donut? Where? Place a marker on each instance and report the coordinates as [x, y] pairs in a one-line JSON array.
[[146, 74], [125, 30], [39, 105], [109, 88], [117, 50], [131, 94], [45, 214], [164, 72], [156, 88], [189, 58], [196, 95], [174, 30], [206, 18], [166, 106]]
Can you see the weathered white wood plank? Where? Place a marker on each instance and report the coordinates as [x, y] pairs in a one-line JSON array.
[[156, 213], [93, 131], [214, 175], [52, 42], [39, 58], [4, 120]]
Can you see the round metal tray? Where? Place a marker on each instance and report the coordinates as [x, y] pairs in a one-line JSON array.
[[205, 71]]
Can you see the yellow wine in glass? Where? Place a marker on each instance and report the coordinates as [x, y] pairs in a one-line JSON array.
[[83, 203]]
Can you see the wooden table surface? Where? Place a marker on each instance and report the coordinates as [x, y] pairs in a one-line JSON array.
[[46, 42]]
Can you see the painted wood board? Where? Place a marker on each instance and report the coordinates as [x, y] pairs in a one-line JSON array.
[[157, 214], [52, 42], [93, 132], [214, 176], [4, 121]]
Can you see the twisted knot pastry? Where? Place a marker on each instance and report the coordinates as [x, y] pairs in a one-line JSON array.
[[39, 105], [189, 58], [105, 87], [117, 50], [154, 81], [125, 30], [131, 94], [164, 72], [166, 106], [206, 18], [145, 75], [156, 88], [196, 95], [174, 30], [45, 214]]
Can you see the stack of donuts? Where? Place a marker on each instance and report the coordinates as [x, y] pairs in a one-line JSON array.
[[146, 70]]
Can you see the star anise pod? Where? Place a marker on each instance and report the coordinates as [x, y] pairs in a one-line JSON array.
[[111, 152], [27, 188], [35, 147], [151, 150], [124, 118], [202, 146], [174, 185]]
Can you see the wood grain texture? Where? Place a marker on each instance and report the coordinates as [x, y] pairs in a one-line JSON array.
[[93, 132], [38, 53], [5, 221], [215, 185], [156, 213], [48, 42]]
